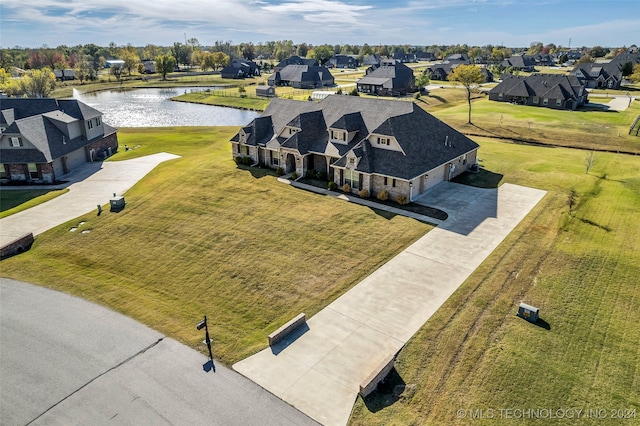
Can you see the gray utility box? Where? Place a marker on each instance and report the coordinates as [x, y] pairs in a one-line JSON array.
[[528, 312], [117, 203]]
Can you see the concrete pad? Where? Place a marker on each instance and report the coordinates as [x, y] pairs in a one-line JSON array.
[[372, 321], [91, 185], [67, 361]]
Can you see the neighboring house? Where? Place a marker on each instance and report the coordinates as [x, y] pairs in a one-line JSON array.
[[441, 71], [372, 60], [400, 56], [343, 61], [113, 63], [425, 56], [546, 90], [240, 68], [370, 144], [390, 79], [64, 75], [149, 66], [42, 139], [301, 77], [295, 60], [520, 63], [604, 75], [543, 59]]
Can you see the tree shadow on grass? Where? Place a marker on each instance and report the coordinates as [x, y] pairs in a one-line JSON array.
[[388, 392], [258, 172]]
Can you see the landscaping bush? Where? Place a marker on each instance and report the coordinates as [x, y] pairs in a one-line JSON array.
[[346, 187], [294, 176], [354, 92], [382, 195], [310, 174], [332, 186], [364, 193], [279, 171], [402, 200], [246, 161]]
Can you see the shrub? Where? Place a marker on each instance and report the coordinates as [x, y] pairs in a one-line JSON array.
[[294, 176], [321, 174], [346, 188], [279, 171], [332, 185], [402, 200], [363, 193], [354, 92], [382, 195], [310, 174], [339, 91]]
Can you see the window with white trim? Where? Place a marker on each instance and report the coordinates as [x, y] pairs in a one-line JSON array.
[[97, 121], [15, 142], [383, 141], [90, 124], [558, 102], [545, 101]]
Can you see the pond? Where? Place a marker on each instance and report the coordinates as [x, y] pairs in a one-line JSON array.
[[152, 107]]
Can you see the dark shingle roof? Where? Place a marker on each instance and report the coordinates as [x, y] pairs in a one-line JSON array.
[[420, 135], [552, 86], [393, 76]]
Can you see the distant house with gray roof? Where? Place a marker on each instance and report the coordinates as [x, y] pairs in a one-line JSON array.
[[390, 79], [369, 144], [42, 139], [343, 61], [302, 77], [520, 63], [240, 68], [296, 60], [606, 75], [546, 90]]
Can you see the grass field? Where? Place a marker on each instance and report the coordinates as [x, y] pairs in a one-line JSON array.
[[15, 200], [580, 269], [200, 236], [597, 130]]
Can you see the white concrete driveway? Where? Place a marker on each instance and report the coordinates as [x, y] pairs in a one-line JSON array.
[[320, 372]]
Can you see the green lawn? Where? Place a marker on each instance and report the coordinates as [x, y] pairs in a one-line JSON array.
[[200, 236], [597, 130], [15, 200], [581, 270]]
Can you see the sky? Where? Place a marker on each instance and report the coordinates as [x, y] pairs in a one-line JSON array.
[[513, 23]]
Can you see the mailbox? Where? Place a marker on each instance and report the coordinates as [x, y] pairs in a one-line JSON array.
[[528, 312], [117, 203]]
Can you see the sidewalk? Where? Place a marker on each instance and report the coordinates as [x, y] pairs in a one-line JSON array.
[[320, 372]]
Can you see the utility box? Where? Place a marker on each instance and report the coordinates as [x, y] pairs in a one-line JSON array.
[[528, 312], [117, 203]]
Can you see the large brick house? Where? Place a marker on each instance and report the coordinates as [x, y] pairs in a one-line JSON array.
[[546, 90], [43, 139], [369, 144]]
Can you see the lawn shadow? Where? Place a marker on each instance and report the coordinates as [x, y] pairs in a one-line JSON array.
[[291, 337], [383, 213], [388, 392], [257, 172], [540, 323], [482, 179]]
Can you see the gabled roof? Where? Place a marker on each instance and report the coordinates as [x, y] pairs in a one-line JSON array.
[[397, 75], [299, 73], [297, 60], [420, 135], [42, 122], [552, 86]]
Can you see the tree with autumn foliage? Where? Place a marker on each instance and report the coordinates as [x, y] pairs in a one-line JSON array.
[[470, 76]]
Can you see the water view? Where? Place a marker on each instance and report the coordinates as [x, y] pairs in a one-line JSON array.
[[153, 108]]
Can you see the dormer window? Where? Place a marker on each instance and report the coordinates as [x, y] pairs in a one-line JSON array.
[[338, 135], [383, 141], [15, 142], [291, 131], [352, 161]]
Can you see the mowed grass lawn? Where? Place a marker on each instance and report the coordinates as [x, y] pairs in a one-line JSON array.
[[582, 270], [598, 130], [200, 236]]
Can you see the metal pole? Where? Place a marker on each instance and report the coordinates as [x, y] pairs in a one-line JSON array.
[[207, 339]]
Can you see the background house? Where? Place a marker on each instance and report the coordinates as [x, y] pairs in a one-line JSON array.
[[369, 143], [240, 68], [546, 90], [301, 77], [607, 75], [390, 79], [43, 139], [295, 60], [520, 63], [343, 61]]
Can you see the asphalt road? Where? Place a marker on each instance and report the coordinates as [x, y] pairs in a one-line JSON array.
[[66, 361]]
